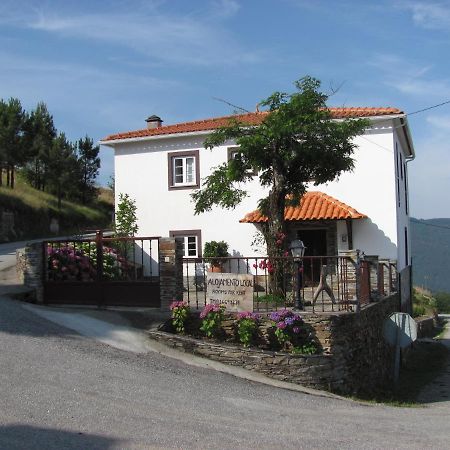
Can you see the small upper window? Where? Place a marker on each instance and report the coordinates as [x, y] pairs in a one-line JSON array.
[[233, 153], [184, 170]]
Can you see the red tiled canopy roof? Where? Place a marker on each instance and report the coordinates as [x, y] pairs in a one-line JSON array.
[[254, 118], [313, 206]]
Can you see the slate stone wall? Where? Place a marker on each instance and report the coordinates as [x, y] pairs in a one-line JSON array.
[[30, 270], [355, 358], [170, 270]]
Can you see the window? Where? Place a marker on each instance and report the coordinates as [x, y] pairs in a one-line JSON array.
[[192, 242], [184, 170], [233, 152]]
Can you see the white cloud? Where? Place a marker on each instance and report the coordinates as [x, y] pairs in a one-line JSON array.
[[193, 39], [411, 77], [225, 8], [429, 14]]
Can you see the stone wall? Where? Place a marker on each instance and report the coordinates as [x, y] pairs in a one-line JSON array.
[[170, 270], [355, 359], [29, 268], [317, 371]]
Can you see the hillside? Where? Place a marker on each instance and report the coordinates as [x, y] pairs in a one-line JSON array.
[[430, 241], [26, 212]]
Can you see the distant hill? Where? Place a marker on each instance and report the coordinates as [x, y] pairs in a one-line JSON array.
[[430, 241]]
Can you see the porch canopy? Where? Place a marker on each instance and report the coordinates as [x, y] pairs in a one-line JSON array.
[[314, 205]]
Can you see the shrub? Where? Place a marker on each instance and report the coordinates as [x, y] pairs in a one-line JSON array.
[[212, 316], [287, 327], [68, 262], [214, 249], [180, 314], [247, 327]]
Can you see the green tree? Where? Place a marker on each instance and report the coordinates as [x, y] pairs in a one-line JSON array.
[[126, 218], [296, 143], [39, 135], [12, 154], [89, 163], [62, 168]]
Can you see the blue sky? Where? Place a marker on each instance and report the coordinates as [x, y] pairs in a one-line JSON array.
[[104, 66]]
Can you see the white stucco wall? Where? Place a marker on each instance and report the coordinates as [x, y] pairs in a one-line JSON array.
[[141, 170]]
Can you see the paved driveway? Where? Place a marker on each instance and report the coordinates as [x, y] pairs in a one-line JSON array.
[[59, 390]]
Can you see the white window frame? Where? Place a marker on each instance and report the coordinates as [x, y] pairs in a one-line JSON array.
[[184, 172], [184, 157]]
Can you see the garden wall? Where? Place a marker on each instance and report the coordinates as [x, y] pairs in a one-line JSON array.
[[355, 358]]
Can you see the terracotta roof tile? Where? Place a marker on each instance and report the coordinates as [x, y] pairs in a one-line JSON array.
[[249, 118], [314, 205]]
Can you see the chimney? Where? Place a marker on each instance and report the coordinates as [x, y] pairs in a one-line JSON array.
[[153, 122]]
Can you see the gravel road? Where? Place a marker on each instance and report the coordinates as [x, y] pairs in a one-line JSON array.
[[59, 390]]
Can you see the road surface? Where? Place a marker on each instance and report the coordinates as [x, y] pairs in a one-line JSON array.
[[59, 390]]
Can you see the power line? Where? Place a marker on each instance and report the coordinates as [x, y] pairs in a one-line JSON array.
[[430, 107], [230, 104]]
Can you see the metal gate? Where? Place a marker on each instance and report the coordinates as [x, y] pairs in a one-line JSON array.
[[104, 271]]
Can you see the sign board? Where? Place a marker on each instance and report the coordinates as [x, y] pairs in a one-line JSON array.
[[400, 329], [233, 290]]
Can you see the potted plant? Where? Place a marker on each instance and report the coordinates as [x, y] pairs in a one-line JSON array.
[[215, 249]]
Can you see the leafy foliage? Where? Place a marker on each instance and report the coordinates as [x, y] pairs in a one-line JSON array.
[[180, 314], [247, 327], [30, 142], [296, 143], [126, 217], [288, 326], [212, 317], [215, 249]]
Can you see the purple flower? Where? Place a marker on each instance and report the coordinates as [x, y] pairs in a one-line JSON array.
[[289, 320], [296, 330], [247, 315], [281, 325], [275, 317]]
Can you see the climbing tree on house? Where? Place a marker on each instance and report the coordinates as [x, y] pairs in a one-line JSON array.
[[296, 143]]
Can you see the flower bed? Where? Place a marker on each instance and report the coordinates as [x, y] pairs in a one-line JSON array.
[[280, 331]]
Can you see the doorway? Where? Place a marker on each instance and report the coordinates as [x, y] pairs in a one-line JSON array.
[[315, 242]]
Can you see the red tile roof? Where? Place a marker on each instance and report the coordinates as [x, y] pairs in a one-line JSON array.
[[313, 206], [254, 118]]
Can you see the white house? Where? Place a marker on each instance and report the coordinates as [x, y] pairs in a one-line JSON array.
[[366, 209]]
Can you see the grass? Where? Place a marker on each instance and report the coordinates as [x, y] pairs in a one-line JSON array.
[[33, 211]]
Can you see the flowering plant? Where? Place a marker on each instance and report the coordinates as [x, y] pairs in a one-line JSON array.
[[212, 316], [67, 262], [180, 314], [287, 326], [247, 325]]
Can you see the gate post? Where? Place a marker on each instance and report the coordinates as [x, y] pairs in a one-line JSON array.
[[170, 270], [30, 264]]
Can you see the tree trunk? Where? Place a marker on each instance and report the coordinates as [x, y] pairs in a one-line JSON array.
[[1, 175], [7, 176], [13, 178], [275, 234]]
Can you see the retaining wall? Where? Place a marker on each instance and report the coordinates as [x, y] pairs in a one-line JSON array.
[[355, 358]]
